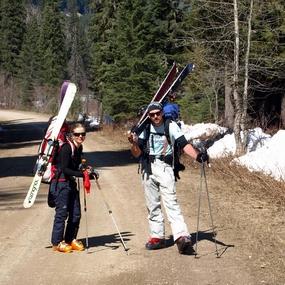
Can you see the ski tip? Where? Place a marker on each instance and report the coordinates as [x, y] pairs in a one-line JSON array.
[[72, 87], [190, 67], [63, 90], [27, 205]]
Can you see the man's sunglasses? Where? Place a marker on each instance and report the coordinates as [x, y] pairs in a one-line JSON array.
[[155, 114], [79, 134]]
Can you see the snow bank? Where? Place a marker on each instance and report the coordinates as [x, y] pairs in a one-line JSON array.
[[269, 159], [202, 131], [264, 153]]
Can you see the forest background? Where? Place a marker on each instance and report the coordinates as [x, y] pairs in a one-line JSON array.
[[119, 51]]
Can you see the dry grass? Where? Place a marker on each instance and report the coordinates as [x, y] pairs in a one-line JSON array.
[[251, 205], [261, 186], [116, 134]]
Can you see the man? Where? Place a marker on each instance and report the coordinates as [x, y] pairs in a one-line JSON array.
[[155, 150]]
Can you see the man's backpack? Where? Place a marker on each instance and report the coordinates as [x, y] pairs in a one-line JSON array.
[[177, 166], [171, 111]]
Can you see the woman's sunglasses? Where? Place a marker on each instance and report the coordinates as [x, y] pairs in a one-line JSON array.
[[79, 134]]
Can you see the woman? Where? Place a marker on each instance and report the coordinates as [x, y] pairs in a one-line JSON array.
[[65, 193]]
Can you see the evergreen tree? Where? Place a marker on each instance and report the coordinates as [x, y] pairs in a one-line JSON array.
[[77, 45], [52, 45], [131, 52], [102, 54], [12, 29], [29, 61]]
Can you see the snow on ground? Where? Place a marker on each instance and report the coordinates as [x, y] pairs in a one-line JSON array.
[[269, 159], [264, 153]]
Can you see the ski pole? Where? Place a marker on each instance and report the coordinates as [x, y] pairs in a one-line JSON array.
[[111, 214], [86, 220], [203, 177]]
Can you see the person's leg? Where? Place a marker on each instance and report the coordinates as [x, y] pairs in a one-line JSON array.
[[167, 188], [74, 214], [60, 192], [179, 229], [153, 203]]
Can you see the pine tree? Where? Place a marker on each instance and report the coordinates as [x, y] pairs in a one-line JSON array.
[[131, 52], [12, 29], [77, 46], [52, 45], [29, 62]]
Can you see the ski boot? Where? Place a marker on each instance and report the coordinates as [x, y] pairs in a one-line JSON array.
[[62, 247], [155, 243], [184, 245], [77, 245]]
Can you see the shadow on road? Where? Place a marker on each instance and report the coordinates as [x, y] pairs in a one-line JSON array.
[[210, 236], [108, 240], [110, 158], [13, 132], [24, 165], [12, 199]]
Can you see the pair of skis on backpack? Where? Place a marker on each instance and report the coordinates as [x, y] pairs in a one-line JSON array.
[[170, 84], [68, 90]]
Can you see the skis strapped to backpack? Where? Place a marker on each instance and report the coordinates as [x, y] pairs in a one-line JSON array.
[[163, 91], [47, 147], [165, 85]]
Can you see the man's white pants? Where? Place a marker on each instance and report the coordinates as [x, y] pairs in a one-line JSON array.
[[160, 185]]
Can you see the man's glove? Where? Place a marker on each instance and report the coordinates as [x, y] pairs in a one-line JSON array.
[[176, 174], [132, 138], [202, 157], [178, 167]]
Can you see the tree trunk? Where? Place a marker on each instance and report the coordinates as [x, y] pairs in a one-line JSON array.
[[236, 95], [283, 112], [245, 91], [229, 109]]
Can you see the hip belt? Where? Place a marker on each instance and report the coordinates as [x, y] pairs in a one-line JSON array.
[[63, 179], [168, 159]]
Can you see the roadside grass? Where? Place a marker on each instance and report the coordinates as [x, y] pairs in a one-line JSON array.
[[117, 134], [258, 184], [251, 205]]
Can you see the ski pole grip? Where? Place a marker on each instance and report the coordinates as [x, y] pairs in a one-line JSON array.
[[83, 165]]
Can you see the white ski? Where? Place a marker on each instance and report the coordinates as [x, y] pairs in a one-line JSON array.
[[43, 161]]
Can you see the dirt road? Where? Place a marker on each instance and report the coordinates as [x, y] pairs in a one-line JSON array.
[[26, 256]]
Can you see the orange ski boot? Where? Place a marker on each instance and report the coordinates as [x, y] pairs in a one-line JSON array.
[[77, 245], [62, 247]]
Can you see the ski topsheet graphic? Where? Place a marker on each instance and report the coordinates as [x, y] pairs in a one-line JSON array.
[[68, 91], [63, 91], [168, 86]]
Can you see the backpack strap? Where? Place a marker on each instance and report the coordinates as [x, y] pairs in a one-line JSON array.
[[166, 129], [72, 146], [144, 163]]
